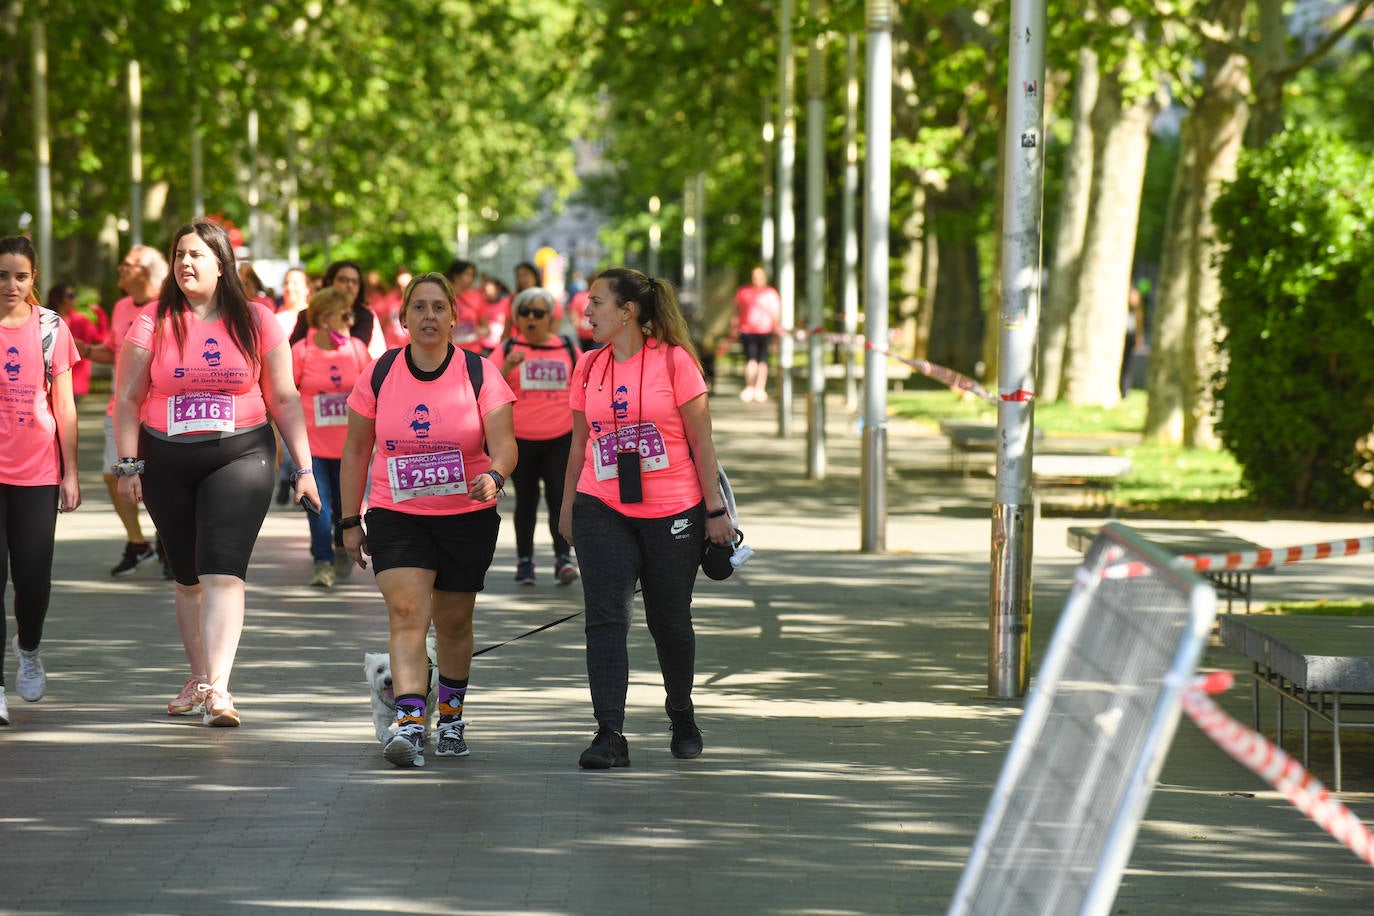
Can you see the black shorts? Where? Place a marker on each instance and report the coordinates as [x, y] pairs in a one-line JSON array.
[[756, 346], [458, 547]]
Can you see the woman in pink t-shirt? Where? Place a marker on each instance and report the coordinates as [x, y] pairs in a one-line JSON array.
[[757, 312], [434, 424], [37, 460], [327, 363], [537, 365], [641, 494], [193, 388], [85, 333]]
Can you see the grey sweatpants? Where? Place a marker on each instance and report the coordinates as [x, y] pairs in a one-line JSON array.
[[614, 552]]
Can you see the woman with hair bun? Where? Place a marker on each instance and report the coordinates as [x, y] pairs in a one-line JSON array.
[[642, 488]]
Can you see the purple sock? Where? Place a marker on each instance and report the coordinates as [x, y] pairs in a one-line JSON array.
[[452, 693]]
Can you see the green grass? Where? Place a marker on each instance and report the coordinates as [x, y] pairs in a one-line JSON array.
[[1164, 479], [1324, 608]]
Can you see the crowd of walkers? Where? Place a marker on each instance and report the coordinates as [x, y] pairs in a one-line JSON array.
[[394, 416]]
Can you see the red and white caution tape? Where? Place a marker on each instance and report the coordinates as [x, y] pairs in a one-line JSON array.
[[1246, 560], [1275, 767], [942, 374]]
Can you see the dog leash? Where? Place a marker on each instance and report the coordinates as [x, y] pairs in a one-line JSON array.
[[530, 633]]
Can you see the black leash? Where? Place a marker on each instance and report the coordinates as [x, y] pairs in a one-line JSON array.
[[530, 633]]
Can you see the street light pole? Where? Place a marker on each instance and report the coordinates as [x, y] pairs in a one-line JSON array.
[[135, 155], [877, 209], [786, 272], [1022, 208], [43, 174], [815, 250]]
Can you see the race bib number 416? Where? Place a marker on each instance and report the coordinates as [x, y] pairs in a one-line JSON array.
[[202, 412]]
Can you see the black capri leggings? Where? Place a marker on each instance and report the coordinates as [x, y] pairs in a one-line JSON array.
[[28, 526], [541, 460], [208, 497]]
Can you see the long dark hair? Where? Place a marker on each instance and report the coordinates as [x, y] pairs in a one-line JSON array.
[[332, 271], [230, 298], [20, 245], [659, 314]]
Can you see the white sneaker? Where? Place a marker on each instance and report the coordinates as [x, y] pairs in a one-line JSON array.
[[33, 680], [4, 708], [324, 575]]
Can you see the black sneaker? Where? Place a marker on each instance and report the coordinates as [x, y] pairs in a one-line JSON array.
[[162, 558], [686, 741], [135, 555], [608, 749]]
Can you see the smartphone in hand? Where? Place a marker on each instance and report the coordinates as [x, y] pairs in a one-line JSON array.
[[311, 507]]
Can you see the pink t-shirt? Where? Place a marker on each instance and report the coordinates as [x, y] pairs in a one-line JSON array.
[[577, 313], [430, 439], [387, 308], [125, 311], [497, 314], [209, 386], [472, 305], [540, 384], [636, 403], [86, 331], [757, 309], [325, 378], [31, 456]]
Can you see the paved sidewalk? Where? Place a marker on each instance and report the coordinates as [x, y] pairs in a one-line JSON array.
[[849, 753]]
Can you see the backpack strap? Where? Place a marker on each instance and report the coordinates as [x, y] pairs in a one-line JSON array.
[[387, 359], [48, 322]]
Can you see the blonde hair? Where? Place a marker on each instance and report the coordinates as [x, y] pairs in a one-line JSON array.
[[325, 304]]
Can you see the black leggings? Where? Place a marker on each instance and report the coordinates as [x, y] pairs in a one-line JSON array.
[[208, 497], [28, 526], [662, 555], [543, 460]]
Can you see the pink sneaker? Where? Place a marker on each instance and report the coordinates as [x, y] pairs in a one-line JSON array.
[[219, 709], [191, 697]]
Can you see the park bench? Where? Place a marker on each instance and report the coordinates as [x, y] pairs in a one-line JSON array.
[[1324, 665], [1095, 476], [970, 436], [1193, 541]]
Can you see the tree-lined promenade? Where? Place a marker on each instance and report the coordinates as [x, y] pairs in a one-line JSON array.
[[389, 128]]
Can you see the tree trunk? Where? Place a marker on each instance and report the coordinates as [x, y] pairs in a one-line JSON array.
[[956, 332], [1097, 330], [1183, 357], [1072, 226], [910, 281]]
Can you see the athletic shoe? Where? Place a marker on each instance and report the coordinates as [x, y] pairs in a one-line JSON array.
[[4, 708], [191, 698], [608, 749], [524, 571], [406, 748], [343, 565], [564, 570], [450, 742], [324, 575], [219, 709], [686, 741], [33, 680], [135, 555]]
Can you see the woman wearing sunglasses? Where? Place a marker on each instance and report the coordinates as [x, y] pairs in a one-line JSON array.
[[537, 367]]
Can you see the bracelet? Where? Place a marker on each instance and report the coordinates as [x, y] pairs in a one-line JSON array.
[[127, 467], [499, 478], [716, 513], [352, 521], [298, 473]]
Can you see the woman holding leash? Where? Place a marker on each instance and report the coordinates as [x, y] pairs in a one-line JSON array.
[[436, 423], [193, 389], [537, 365], [641, 489], [37, 459]]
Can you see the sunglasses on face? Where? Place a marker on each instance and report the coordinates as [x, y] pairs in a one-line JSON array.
[[531, 313]]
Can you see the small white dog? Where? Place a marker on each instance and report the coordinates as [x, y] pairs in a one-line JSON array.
[[377, 670]]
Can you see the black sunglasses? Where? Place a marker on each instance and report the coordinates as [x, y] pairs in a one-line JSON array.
[[531, 313]]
